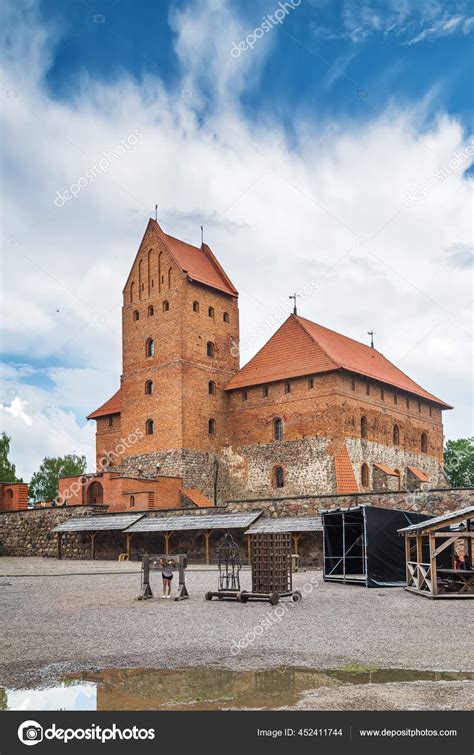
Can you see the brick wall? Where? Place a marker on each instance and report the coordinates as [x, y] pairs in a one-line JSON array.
[[13, 496]]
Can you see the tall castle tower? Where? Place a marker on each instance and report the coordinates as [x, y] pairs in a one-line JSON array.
[[180, 342]]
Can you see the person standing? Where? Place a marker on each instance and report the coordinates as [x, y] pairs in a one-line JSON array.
[[167, 576]]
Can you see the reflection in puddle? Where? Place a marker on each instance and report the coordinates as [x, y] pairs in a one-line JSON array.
[[200, 688]]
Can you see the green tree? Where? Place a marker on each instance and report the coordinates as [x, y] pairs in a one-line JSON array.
[[459, 462], [44, 483], [7, 469]]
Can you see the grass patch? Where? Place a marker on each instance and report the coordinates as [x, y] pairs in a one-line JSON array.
[[358, 668]]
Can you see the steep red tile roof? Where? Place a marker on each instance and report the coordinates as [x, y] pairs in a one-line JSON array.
[[422, 476], [112, 406], [199, 263], [386, 470], [345, 477], [197, 498], [301, 347]]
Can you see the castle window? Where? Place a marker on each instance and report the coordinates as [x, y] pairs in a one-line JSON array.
[[244, 395], [364, 475], [424, 443], [211, 349], [419, 406], [396, 435], [166, 306], [277, 429], [150, 348], [195, 306], [136, 315], [310, 383], [363, 427], [210, 312], [95, 493], [395, 398], [367, 388], [149, 427], [265, 391], [151, 311], [211, 387], [212, 427], [149, 387], [287, 387], [353, 384], [170, 277], [132, 501], [225, 317], [431, 411], [111, 421], [408, 402], [382, 394], [278, 477]]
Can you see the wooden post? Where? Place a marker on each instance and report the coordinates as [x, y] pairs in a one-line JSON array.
[[167, 536], [434, 576], [296, 539], [249, 548], [129, 540], [407, 558], [60, 534], [93, 534], [207, 535]]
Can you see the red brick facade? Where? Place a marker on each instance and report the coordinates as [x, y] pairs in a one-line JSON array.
[[185, 409], [13, 496]]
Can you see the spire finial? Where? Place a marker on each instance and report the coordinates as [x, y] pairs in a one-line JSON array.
[[294, 297], [371, 333], [156, 213], [202, 235]]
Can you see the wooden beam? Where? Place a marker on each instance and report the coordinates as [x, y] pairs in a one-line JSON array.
[[296, 538], [60, 535], [442, 547], [167, 536], [249, 548], [207, 535], [93, 534], [447, 522], [129, 540], [434, 576]]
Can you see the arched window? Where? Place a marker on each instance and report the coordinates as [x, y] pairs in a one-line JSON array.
[[363, 427], [149, 427], [277, 429], [136, 314], [245, 395], [211, 426], [382, 394], [367, 388], [395, 398], [170, 277], [353, 384], [132, 291], [225, 317], [166, 306], [149, 387], [210, 312], [150, 348], [265, 391], [310, 383], [396, 435], [211, 349], [364, 475], [424, 443], [287, 387], [95, 493], [195, 306], [151, 311], [132, 501], [408, 402], [211, 388], [9, 494], [278, 477]]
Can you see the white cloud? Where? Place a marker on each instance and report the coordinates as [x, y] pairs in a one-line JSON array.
[[330, 207], [17, 409]]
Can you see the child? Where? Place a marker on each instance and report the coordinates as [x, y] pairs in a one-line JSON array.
[[167, 576], [457, 561]]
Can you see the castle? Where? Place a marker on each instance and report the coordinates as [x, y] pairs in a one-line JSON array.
[[313, 412]]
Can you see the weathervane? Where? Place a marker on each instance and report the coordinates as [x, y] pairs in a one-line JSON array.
[[371, 333], [294, 297]]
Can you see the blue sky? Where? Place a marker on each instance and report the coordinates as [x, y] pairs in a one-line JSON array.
[[301, 155]]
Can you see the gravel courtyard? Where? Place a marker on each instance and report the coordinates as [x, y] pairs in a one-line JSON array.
[[61, 616]]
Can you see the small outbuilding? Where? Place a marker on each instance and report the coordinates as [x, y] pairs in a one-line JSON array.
[[438, 555], [361, 545]]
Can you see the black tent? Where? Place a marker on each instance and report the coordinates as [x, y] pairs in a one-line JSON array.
[[361, 545]]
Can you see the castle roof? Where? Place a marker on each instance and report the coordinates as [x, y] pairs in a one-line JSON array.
[[301, 347], [112, 406]]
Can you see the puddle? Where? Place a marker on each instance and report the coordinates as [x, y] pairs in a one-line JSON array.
[[200, 688]]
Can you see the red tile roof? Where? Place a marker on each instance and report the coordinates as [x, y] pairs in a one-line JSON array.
[[112, 406], [422, 476], [387, 470], [301, 347], [198, 498], [345, 477], [198, 263]]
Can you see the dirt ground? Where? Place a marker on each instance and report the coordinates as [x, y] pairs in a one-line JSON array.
[[70, 616]]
